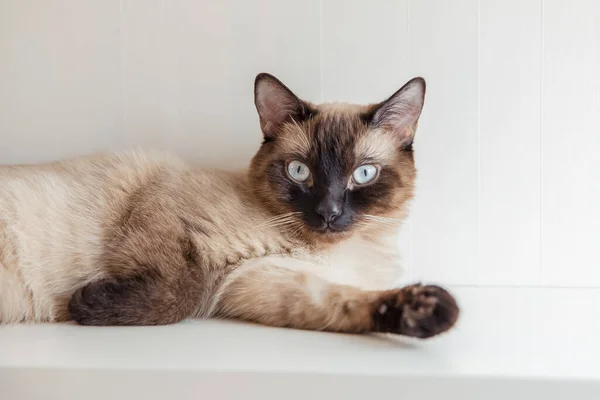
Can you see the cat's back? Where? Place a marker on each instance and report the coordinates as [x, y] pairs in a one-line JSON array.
[[100, 170], [78, 190]]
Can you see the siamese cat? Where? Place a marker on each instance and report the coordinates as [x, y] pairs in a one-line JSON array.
[[304, 238]]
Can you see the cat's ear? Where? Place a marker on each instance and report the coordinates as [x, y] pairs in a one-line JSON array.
[[276, 104], [400, 112]]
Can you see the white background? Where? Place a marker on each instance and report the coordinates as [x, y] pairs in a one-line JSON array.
[[507, 148]]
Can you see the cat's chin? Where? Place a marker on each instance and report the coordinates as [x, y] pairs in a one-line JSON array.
[[331, 231], [329, 234]]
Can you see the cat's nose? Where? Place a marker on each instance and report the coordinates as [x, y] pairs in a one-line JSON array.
[[329, 209]]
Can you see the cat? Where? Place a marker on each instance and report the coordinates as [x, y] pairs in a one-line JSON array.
[[305, 238]]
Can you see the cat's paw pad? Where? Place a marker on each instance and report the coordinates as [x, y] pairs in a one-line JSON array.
[[417, 311]]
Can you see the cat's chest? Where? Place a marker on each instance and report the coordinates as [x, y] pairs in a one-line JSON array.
[[356, 262]]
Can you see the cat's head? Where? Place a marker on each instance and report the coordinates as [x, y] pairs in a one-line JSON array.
[[328, 170]]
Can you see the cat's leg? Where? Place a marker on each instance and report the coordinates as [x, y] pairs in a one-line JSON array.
[[278, 296], [150, 278], [138, 300]]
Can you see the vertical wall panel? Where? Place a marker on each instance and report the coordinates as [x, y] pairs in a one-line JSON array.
[[571, 143], [149, 62], [509, 141], [365, 49], [443, 37]]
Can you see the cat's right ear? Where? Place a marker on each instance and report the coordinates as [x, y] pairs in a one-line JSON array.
[[276, 105]]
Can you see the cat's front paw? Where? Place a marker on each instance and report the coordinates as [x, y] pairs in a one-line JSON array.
[[416, 310]]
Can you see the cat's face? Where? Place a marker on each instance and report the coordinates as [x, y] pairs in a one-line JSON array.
[[328, 170]]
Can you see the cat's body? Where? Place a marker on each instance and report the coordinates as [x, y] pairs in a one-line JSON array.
[[144, 238], [56, 220]]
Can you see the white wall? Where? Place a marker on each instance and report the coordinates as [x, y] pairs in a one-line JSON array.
[[508, 145]]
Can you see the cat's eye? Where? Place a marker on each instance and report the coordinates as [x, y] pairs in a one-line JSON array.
[[364, 174], [298, 171]]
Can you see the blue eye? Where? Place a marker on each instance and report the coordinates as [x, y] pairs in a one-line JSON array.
[[298, 171], [364, 174]]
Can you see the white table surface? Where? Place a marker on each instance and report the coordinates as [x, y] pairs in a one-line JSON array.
[[512, 343]]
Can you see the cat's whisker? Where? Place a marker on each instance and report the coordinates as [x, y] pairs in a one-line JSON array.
[[359, 224], [277, 224], [394, 220], [383, 220], [286, 220], [290, 223], [384, 223], [280, 217], [298, 229]]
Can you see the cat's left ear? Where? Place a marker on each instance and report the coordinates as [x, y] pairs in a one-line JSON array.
[[400, 112]]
